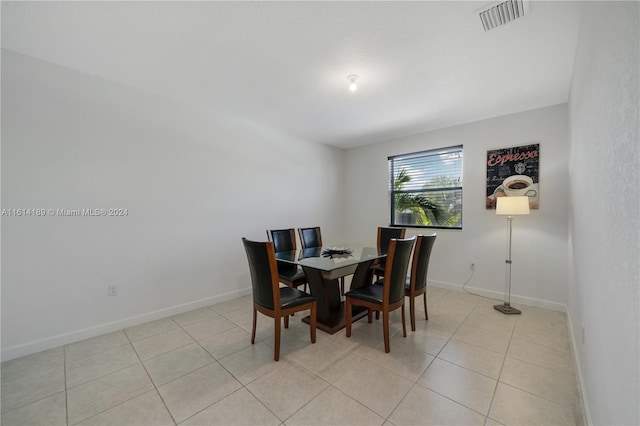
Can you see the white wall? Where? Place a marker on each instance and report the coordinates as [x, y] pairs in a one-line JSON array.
[[605, 230], [194, 183], [540, 249]]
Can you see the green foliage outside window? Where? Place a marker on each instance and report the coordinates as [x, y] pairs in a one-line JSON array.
[[421, 198]]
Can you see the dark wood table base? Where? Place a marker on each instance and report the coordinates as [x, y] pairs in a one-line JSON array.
[[337, 320], [326, 288]]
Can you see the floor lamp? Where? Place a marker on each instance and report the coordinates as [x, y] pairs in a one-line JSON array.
[[510, 206]]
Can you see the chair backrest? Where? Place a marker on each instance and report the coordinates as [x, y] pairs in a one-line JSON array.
[[264, 273], [384, 236], [310, 237], [283, 239], [395, 276], [420, 263]]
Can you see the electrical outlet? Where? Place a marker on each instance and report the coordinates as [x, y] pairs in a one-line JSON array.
[[473, 266], [112, 290]]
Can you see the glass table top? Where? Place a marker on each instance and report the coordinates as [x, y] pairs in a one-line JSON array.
[[329, 258]]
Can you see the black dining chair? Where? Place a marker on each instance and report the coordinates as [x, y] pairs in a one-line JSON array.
[[285, 240], [384, 236], [269, 298], [310, 237], [386, 297], [416, 283]]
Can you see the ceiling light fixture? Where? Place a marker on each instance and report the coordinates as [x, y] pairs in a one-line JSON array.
[[352, 78]]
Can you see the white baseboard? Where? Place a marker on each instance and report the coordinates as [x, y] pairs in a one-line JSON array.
[[499, 296], [586, 411], [86, 333]]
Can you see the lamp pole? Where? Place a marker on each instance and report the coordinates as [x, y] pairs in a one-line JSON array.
[[510, 206], [506, 308]]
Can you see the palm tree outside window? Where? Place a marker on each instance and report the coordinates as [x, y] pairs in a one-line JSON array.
[[425, 189]]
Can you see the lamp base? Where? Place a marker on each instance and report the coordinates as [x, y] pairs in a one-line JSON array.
[[507, 309]]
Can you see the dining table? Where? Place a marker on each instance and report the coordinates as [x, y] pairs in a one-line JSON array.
[[324, 267]]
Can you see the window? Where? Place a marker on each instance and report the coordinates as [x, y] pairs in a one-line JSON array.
[[425, 189]]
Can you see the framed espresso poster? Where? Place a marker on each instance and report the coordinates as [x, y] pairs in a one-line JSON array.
[[513, 172]]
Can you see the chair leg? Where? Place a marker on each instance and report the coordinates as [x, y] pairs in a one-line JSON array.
[[347, 307], [370, 316], [312, 322], [253, 330], [342, 286], [426, 315], [286, 321], [412, 312], [404, 327], [276, 339], [385, 329], [377, 315]]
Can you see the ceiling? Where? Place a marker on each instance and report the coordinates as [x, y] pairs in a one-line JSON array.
[[422, 65]]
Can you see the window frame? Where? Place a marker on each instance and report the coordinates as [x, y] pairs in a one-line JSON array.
[[393, 171]]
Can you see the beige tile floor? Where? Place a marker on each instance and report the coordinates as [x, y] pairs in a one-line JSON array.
[[467, 365]]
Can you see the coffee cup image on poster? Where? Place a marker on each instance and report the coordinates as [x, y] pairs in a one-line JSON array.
[[513, 172]]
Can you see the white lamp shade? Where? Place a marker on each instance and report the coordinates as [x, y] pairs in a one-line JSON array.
[[512, 206]]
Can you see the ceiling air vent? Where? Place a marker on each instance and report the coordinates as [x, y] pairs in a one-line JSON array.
[[500, 13]]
